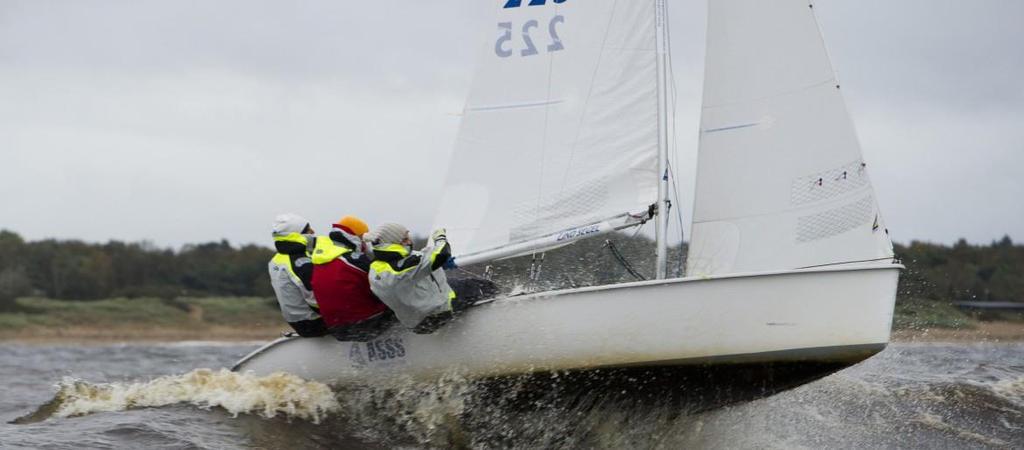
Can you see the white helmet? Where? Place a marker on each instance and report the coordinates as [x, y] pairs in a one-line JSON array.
[[288, 223]]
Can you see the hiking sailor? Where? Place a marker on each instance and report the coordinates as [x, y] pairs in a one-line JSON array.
[[340, 265], [412, 283], [291, 272]]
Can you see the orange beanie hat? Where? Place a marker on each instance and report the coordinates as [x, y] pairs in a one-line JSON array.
[[354, 224]]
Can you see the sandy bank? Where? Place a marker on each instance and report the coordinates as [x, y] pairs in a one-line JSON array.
[[983, 332], [85, 335]]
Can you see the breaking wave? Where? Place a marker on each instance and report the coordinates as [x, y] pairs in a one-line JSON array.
[[237, 393]]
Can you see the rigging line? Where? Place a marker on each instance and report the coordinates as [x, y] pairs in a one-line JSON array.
[[679, 216], [637, 231], [887, 258], [663, 58], [675, 138], [675, 110], [590, 93], [622, 260], [821, 41], [544, 135], [679, 212]]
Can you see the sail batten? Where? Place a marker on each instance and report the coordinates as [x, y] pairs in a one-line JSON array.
[[560, 130]]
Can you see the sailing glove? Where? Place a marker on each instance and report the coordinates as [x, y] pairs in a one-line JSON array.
[[439, 234]]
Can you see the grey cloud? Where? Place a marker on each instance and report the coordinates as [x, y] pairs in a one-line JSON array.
[[370, 41], [944, 53], [192, 121]]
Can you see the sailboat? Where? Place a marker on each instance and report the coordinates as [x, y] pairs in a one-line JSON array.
[[565, 136]]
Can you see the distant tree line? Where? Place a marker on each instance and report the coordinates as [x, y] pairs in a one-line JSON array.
[[75, 270], [992, 272]]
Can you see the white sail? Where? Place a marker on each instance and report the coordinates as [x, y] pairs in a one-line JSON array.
[[781, 183], [560, 130]]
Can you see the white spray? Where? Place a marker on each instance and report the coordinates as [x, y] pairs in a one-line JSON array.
[[238, 393]]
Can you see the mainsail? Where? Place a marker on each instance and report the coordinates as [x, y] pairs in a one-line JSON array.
[[781, 183], [559, 135]]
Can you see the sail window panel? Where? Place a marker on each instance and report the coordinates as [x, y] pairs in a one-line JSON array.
[[821, 186], [835, 221]]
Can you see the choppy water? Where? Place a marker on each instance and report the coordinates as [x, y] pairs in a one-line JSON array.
[[176, 396]]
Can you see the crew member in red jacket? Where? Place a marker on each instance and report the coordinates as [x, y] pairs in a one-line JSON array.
[[341, 286]]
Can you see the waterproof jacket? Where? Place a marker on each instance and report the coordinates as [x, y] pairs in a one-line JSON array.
[[291, 271], [340, 280], [412, 284]]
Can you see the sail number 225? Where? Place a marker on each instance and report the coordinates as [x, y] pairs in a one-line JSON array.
[[505, 46]]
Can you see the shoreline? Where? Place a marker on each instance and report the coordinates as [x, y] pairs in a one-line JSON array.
[[81, 335], [995, 331], [990, 331]]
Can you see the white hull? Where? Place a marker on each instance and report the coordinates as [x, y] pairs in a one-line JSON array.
[[823, 315]]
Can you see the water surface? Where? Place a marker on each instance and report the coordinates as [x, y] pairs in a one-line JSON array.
[[911, 395]]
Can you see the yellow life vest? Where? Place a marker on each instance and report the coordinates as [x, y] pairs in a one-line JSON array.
[[326, 250]]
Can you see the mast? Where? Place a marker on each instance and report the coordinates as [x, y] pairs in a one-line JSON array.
[[661, 221]]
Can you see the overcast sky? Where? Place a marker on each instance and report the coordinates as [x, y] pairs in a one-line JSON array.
[[190, 121]]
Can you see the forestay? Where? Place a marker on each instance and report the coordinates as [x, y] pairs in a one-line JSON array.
[[559, 136], [781, 183]]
